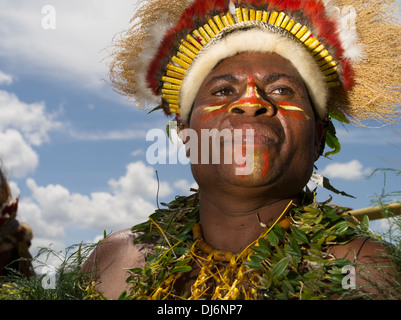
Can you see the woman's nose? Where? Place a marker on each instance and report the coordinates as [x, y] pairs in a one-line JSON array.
[[251, 103]]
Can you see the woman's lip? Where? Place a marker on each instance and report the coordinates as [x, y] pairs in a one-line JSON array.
[[248, 139], [253, 134], [252, 139]]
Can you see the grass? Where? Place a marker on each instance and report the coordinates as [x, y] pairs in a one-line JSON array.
[[62, 283], [66, 282]]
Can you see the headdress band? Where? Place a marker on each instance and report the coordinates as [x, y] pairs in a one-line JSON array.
[[195, 43]]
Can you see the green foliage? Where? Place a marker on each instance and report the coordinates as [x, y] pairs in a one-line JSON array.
[[295, 264], [70, 282], [392, 236], [332, 140]]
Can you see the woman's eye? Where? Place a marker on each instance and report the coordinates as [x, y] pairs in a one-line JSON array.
[[283, 91], [224, 92]]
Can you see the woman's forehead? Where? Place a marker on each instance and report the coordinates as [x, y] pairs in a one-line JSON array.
[[268, 67]]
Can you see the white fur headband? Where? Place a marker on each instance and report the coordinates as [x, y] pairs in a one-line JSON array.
[[255, 38]]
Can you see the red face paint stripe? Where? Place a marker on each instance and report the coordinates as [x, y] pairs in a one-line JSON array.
[[266, 163], [214, 104], [213, 113], [252, 97], [292, 114]]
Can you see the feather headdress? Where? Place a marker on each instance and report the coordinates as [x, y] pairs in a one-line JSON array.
[[347, 52]]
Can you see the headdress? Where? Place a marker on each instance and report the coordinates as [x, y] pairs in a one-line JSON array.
[[14, 236], [348, 53]]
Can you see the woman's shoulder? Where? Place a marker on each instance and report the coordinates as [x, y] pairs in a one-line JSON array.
[[361, 249], [110, 261], [374, 271]]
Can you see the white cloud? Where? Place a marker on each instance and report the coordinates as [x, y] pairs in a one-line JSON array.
[[184, 186], [74, 49], [119, 135], [22, 127], [139, 180], [130, 200], [137, 152], [352, 170], [372, 136], [5, 78], [31, 120], [17, 157]]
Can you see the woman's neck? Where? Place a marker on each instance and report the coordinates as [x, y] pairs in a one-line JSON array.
[[232, 224]]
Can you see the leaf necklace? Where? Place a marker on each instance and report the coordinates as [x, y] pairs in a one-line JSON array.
[[232, 277], [285, 262]]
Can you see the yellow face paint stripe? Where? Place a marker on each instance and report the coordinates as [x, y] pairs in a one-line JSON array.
[[213, 108], [290, 108]]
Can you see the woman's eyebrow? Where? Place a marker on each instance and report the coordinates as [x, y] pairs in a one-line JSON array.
[[226, 77], [270, 78]]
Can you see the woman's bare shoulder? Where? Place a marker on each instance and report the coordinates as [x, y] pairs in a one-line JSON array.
[[109, 262], [374, 269], [362, 249]]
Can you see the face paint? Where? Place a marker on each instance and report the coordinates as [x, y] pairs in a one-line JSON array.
[[216, 111], [244, 152], [213, 109], [251, 99], [291, 110], [266, 163], [261, 164]]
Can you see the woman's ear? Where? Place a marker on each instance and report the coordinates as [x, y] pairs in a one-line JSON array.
[[182, 129]]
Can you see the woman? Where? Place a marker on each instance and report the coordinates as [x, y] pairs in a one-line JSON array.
[[282, 70]]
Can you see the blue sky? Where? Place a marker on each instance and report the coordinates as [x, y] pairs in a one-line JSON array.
[[75, 151]]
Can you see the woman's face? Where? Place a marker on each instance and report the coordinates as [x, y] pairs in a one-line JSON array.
[[265, 94]]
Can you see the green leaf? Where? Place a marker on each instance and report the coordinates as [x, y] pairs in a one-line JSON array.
[[325, 183], [261, 250], [279, 231], [339, 116], [299, 235], [295, 246], [136, 270], [318, 235], [365, 223], [336, 271], [155, 109], [181, 269], [289, 286], [341, 228], [280, 267], [182, 262], [188, 228], [295, 260], [273, 239], [265, 245], [332, 140], [336, 278], [193, 213], [332, 215], [253, 265], [256, 258]]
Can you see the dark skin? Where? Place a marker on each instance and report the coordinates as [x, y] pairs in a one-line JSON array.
[[230, 202], [286, 145]]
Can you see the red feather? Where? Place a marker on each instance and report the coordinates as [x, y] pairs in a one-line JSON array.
[[198, 10]]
